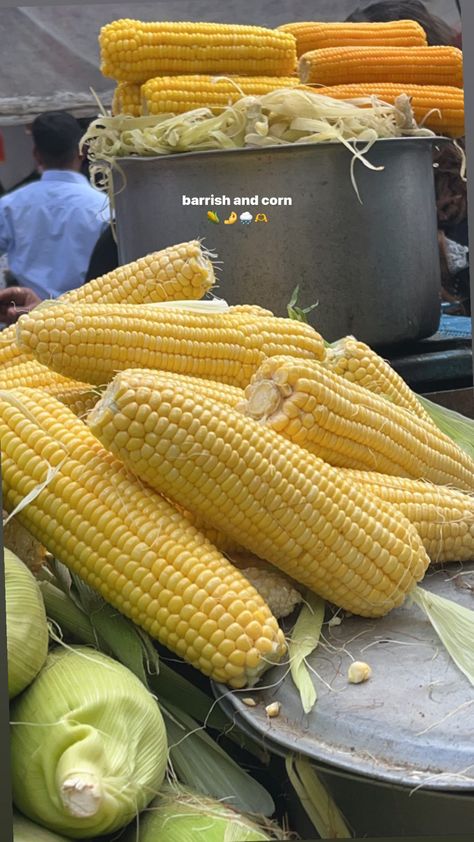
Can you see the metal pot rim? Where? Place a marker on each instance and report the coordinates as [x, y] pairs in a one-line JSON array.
[[284, 148]]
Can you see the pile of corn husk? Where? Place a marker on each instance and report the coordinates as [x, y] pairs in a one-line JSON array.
[[283, 116]]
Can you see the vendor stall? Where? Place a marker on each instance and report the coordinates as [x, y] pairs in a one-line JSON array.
[[239, 511]]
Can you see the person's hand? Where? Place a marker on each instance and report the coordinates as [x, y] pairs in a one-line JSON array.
[[14, 301]]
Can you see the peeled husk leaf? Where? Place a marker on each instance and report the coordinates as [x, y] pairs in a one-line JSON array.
[[26, 831], [180, 815], [88, 745], [454, 625], [459, 428], [304, 639], [316, 799], [27, 627]]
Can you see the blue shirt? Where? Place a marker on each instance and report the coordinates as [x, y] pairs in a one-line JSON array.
[[49, 228]]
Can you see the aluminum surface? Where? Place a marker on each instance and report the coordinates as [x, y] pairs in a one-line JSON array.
[[412, 723], [373, 267]]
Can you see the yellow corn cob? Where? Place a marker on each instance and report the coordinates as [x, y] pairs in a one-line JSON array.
[[127, 99], [177, 94], [35, 376], [133, 51], [176, 273], [79, 397], [93, 343], [261, 490], [210, 389], [348, 426], [438, 107], [280, 596], [249, 309], [443, 517], [129, 544], [79, 400], [315, 35], [415, 65], [357, 362]]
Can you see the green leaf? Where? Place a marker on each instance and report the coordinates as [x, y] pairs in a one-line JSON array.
[[298, 313], [200, 763], [459, 428], [304, 640], [122, 639]]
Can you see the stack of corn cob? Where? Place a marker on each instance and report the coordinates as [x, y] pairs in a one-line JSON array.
[[356, 61], [166, 67], [219, 430]]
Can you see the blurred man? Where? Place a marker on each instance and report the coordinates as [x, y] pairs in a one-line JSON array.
[[48, 229]]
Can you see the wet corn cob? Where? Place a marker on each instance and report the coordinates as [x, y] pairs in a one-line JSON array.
[[177, 94], [358, 363], [443, 517], [129, 544], [348, 426], [415, 65], [179, 272], [438, 107], [316, 35], [93, 344], [134, 51], [299, 514]]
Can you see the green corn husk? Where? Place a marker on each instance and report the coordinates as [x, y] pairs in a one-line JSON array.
[[27, 627], [459, 428], [198, 760], [88, 745], [26, 831], [180, 815]]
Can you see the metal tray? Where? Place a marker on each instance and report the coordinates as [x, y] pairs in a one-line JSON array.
[[411, 724]]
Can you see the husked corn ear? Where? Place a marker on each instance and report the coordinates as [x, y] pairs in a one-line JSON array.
[[443, 517], [316, 35], [437, 107], [246, 480], [219, 392], [131, 545], [32, 374], [178, 94], [176, 273], [134, 51], [92, 344], [127, 99], [79, 399], [417, 65], [348, 426], [249, 309], [357, 362]]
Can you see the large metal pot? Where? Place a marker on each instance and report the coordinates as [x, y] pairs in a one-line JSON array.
[[373, 267]]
